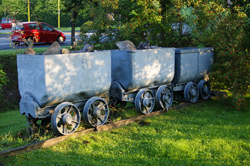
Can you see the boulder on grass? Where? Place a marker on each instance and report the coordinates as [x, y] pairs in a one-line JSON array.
[[55, 48], [30, 51], [65, 51], [87, 48]]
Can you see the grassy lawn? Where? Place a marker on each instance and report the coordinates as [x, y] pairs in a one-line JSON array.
[[22, 50], [5, 33], [211, 134]]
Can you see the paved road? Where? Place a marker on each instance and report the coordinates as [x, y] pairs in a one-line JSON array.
[[5, 42]]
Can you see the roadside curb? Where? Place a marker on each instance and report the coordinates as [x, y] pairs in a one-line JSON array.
[[5, 35], [66, 32]]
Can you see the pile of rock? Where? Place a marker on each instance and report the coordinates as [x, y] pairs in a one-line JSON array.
[[128, 45], [55, 48]]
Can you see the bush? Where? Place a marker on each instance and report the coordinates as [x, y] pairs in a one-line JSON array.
[[225, 29], [211, 23], [3, 78], [9, 95], [232, 66]]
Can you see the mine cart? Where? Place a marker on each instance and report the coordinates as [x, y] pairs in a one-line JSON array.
[[191, 67], [64, 86], [143, 77]]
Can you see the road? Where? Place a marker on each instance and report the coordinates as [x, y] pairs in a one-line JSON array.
[[5, 42]]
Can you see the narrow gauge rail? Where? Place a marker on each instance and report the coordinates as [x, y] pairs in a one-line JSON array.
[[53, 141]]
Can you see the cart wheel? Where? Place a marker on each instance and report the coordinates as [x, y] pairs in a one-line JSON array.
[[65, 119], [191, 92], [164, 97], [144, 101], [204, 89], [95, 111]]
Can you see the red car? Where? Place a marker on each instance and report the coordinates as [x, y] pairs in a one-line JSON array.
[[36, 32], [7, 22]]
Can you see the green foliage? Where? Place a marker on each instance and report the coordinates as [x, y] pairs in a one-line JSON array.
[[9, 95], [207, 23], [232, 66], [139, 22], [162, 22], [42, 10], [3, 78], [226, 30]]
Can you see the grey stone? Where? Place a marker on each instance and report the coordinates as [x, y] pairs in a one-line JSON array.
[[140, 46], [30, 51], [65, 51], [87, 48], [145, 45], [55, 48], [125, 45]]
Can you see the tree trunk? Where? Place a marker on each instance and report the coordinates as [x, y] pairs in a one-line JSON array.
[[180, 27], [163, 21], [73, 26]]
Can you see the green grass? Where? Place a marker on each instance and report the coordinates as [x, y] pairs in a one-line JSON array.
[[211, 134], [5, 32], [12, 121], [22, 50]]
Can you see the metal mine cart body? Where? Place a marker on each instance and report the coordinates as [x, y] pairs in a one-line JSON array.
[[143, 77], [58, 86], [191, 67]]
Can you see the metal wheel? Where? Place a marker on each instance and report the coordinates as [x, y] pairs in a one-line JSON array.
[[204, 89], [191, 92], [164, 97], [60, 39], [95, 111], [65, 119], [144, 101]]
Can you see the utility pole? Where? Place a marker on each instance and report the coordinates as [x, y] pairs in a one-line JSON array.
[[28, 10], [58, 13]]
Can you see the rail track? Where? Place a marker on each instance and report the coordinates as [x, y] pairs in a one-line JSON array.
[[53, 141]]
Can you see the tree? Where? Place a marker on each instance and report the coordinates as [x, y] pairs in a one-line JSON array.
[[225, 28], [211, 23], [73, 6]]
